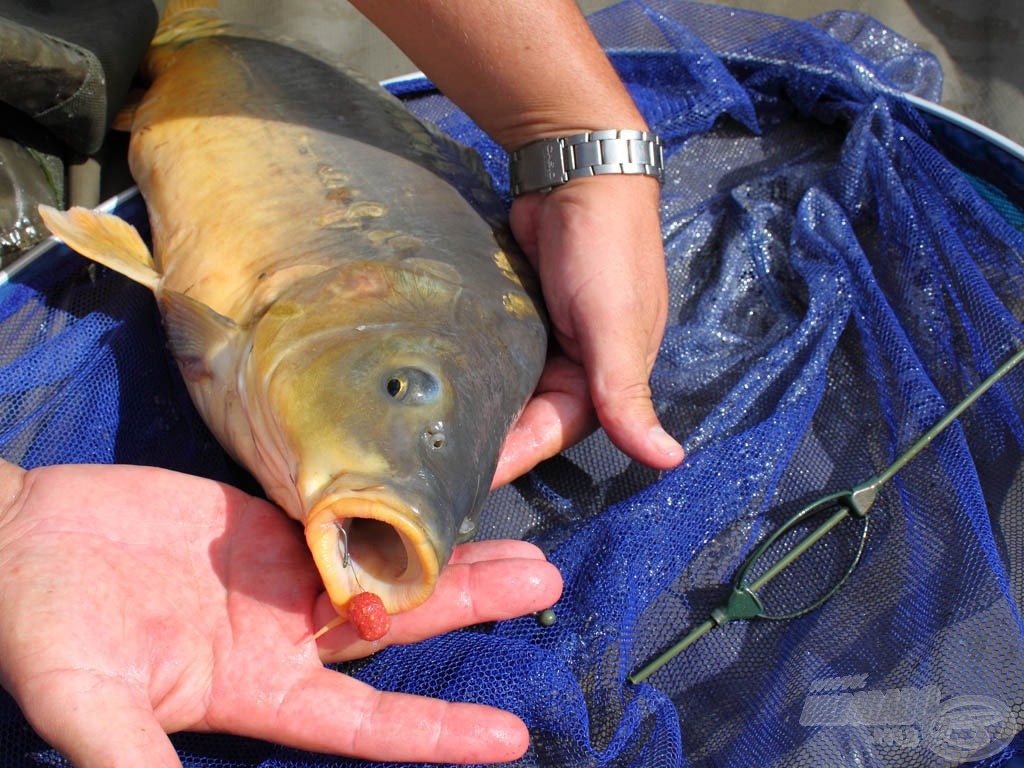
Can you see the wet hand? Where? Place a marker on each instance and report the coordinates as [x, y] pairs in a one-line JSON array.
[[596, 244], [138, 601]]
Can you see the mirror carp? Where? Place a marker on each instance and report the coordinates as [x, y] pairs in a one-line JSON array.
[[338, 288]]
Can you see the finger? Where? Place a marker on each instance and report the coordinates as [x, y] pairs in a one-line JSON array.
[[97, 722], [549, 424], [522, 220], [330, 712], [467, 594], [557, 416], [495, 549]]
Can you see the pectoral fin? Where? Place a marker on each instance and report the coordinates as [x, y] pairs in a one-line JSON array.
[[106, 239], [201, 340]]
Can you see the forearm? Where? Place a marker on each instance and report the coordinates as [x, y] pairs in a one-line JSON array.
[[522, 70]]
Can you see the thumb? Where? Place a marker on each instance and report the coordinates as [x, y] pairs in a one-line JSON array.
[[618, 374], [99, 722]]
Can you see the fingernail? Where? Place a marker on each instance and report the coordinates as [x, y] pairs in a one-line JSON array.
[[664, 442]]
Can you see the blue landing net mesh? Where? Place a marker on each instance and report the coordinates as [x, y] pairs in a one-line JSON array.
[[844, 266]]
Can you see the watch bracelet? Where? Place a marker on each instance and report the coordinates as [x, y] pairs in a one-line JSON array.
[[548, 163]]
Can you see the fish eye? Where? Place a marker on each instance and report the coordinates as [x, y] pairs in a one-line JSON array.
[[412, 386]]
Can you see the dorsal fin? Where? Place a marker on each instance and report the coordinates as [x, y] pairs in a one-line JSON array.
[[185, 20], [182, 22], [106, 239], [175, 7]]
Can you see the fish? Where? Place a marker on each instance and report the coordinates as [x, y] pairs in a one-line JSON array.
[[339, 290]]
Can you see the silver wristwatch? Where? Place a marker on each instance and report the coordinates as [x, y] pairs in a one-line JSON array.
[[550, 162]]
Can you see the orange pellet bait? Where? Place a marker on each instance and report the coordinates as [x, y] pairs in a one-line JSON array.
[[368, 616]]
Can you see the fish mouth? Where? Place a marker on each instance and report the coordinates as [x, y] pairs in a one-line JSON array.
[[367, 540]]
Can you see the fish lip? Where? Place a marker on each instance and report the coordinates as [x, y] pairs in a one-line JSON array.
[[390, 553]]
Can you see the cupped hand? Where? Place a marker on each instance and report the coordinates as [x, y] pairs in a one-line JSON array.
[[596, 245], [138, 601]]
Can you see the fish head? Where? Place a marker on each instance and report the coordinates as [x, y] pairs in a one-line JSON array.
[[384, 414], [366, 425]]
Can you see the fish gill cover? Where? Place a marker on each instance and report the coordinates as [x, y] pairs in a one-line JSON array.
[[837, 284]]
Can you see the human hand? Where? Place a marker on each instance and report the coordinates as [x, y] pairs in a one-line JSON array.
[[596, 245], [138, 601]]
